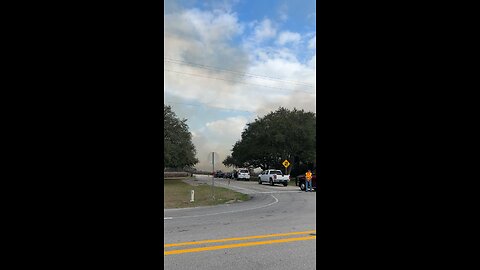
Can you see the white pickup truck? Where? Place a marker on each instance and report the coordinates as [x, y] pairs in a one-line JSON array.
[[273, 177]]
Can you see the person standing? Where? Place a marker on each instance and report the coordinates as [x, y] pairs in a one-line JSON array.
[[308, 180]]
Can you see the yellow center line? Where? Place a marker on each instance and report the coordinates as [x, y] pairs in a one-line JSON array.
[[235, 239], [180, 251]]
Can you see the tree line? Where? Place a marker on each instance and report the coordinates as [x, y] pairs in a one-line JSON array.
[[178, 149], [279, 135], [266, 142]]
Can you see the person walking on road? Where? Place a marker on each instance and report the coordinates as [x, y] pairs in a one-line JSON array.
[[308, 180]]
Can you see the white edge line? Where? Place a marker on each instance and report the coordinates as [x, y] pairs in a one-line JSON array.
[[212, 214], [250, 190], [167, 218]]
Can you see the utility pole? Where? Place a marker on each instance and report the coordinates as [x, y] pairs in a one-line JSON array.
[[212, 158], [213, 175]]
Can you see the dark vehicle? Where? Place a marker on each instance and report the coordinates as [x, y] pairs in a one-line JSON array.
[[300, 181], [219, 174], [228, 175]]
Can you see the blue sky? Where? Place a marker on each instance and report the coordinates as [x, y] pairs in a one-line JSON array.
[[228, 62], [298, 16]]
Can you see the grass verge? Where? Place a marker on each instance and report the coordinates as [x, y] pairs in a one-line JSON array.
[[177, 194]]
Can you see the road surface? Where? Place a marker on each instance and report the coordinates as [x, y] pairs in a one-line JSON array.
[[276, 229]]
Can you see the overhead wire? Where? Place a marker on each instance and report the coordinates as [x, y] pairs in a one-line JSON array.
[[243, 74], [254, 84]]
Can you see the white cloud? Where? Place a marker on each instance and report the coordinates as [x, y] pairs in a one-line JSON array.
[[288, 37], [230, 127], [264, 30], [213, 26], [312, 44], [313, 62]]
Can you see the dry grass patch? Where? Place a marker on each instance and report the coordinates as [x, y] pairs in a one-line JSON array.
[[177, 194]]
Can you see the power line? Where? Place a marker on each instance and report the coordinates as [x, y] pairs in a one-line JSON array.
[[203, 76], [243, 74]]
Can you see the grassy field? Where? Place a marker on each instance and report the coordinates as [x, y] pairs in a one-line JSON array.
[[177, 194]]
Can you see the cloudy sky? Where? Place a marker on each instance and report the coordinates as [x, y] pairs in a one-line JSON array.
[[228, 62]]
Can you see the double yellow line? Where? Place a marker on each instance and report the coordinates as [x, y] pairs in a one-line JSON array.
[[246, 244]]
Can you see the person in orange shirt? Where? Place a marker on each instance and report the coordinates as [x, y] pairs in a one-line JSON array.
[[308, 180]]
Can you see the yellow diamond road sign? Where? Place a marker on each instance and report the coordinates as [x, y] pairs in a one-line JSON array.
[[286, 163]]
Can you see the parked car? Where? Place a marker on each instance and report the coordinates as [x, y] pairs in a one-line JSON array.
[[243, 174], [273, 177], [219, 174], [300, 181], [228, 175]]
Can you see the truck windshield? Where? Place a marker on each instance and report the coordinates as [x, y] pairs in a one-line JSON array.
[[243, 171]]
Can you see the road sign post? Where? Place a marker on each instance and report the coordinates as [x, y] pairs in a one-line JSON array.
[[286, 164], [213, 175], [211, 157]]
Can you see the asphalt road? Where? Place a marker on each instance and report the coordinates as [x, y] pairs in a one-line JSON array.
[[276, 229]]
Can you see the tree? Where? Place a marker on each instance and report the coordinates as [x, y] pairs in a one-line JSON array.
[[178, 149], [279, 135]]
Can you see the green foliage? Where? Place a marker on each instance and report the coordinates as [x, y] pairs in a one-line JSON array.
[[178, 149], [279, 135]]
